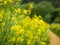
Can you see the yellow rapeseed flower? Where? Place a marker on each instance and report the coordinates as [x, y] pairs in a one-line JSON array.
[[20, 39], [31, 6], [10, 1], [3, 24], [39, 31], [18, 10], [40, 17], [2, 12], [13, 18], [28, 42], [43, 43], [29, 34], [15, 10], [36, 37], [1, 17], [22, 31], [5, 2], [16, 27], [1, 0], [25, 12]]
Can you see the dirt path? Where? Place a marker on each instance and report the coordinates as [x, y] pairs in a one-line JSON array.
[[54, 39]]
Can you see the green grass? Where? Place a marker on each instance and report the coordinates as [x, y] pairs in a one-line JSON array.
[[56, 29]]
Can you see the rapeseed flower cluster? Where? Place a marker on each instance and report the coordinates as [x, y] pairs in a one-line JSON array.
[[6, 1], [10, 2], [17, 28], [31, 6]]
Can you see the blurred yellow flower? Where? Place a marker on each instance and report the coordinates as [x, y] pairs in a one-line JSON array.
[[22, 31], [39, 31], [13, 18], [20, 39], [28, 42], [43, 43], [36, 37], [3, 24], [25, 12], [16, 27], [15, 10], [31, 6], [2, 12], [1, 17], [10, 1], [5, 1], [1, 0], [18, 10]]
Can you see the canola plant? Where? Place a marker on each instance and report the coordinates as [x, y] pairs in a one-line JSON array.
[[17, 28]]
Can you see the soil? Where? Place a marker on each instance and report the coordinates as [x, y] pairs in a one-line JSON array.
[[54, 39]]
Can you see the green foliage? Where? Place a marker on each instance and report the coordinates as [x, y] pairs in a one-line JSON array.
[[47, 18], [56, 29], [44, 8], [27, 5], [57, 19], [56, 3], [58, 9]]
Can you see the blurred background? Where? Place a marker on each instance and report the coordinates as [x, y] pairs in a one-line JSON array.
[[48, 9]]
